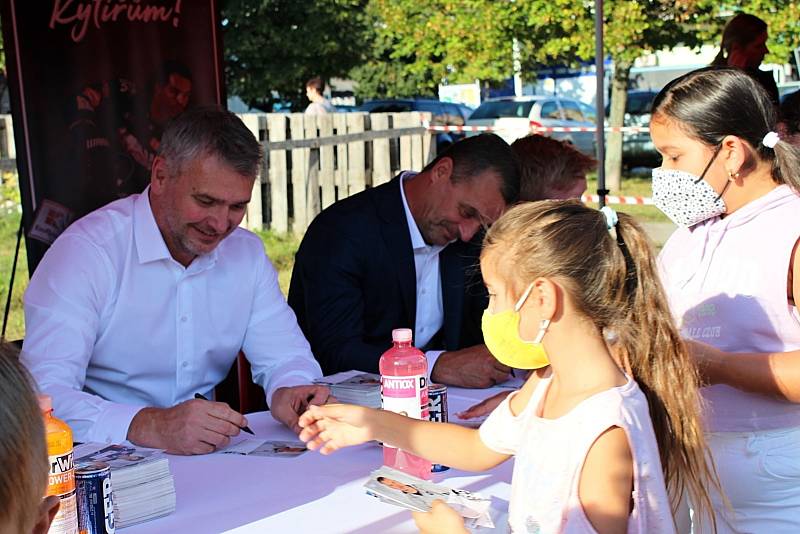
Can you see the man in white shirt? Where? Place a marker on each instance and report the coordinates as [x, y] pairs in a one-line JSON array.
[[146, 302]]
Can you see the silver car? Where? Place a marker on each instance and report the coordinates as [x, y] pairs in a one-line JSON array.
[[512, 117]]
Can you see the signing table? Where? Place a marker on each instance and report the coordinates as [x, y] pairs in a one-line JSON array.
[[310, 493]]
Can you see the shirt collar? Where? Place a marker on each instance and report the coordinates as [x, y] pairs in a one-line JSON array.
[[150, 245], [417, 241]]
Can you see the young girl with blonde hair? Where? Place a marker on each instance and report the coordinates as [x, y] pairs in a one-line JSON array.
[[604, 441]]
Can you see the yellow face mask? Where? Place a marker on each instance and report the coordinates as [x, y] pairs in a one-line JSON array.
[[501, 335]]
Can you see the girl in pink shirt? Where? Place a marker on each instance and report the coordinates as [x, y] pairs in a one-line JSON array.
[[732, 275], [605, 440]]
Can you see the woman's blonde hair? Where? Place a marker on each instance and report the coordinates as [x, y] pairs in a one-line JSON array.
[[614, 283], [23, 450]]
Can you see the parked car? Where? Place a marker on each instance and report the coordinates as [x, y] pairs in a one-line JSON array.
[[443, 114], [637, 148], [512, 117]]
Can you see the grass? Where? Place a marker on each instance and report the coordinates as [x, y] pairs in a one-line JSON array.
[[280, 249], [9, 223]]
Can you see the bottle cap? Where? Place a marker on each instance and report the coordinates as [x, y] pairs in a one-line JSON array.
[[45, 403], [402, 335]]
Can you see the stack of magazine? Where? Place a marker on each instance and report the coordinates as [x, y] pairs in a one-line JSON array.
[[395, 487], [141, 481], [355, 387]]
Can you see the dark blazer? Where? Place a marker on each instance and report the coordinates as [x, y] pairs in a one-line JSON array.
[[354, 281]]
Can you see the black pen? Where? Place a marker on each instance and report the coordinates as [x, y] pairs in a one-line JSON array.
[[245, 428]]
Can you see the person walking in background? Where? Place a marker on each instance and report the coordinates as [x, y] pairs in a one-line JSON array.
[[732, 274], [744, 45], [605, 439], [315, 87]]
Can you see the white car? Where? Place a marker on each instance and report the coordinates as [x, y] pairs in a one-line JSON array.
[[512, 118]]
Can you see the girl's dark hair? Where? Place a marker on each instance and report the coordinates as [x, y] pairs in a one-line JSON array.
[[741, 30], [714, 102]]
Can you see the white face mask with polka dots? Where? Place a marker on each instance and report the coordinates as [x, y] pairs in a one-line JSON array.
[[685, 198]]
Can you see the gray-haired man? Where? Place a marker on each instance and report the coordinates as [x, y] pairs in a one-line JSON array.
[[146, 302]]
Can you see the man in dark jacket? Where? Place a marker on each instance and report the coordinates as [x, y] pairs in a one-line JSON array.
[[397, 256]]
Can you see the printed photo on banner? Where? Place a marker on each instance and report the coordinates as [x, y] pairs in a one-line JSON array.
[[92, 85]]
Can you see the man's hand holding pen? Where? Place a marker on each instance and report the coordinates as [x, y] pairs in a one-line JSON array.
[[194, 426]]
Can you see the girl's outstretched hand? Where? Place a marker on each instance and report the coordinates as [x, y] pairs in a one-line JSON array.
[[333, 426], [440, 520]]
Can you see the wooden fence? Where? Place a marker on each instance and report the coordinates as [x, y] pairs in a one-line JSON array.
[[311, 161]]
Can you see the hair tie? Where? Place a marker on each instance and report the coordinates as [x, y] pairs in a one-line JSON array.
[[771, 139], [611, 216]]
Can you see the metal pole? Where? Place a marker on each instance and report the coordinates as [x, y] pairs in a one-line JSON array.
[[600, 140], [517, 61]]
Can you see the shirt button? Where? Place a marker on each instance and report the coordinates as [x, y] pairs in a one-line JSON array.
[[185, 364], [184, 319], [422, 292]]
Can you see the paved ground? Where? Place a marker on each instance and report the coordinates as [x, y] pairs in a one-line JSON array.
[[659, 232]]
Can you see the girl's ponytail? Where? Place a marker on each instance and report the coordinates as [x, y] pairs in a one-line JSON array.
[[786, 166], [651, 345]]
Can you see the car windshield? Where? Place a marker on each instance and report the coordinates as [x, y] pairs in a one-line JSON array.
[[502, 108]]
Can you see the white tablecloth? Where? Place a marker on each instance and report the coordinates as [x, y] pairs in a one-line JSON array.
[[307, 494]]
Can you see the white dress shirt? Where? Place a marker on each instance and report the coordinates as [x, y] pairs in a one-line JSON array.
[[115, 324], [430, 309]]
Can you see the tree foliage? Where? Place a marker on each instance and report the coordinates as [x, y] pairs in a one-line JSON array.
[[272, 47], [418, 45]]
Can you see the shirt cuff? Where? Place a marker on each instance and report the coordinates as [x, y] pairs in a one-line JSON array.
[[287, 380], [432, 357], [113, 424]]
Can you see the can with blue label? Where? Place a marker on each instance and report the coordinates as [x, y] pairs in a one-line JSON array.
[[95, 498], [437, 412]]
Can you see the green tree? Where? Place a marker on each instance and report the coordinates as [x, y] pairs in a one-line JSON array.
[[427, 43], [563, 31], [418, 45], [272, 47]]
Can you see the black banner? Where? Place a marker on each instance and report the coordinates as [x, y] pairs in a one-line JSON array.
[[92, 84]]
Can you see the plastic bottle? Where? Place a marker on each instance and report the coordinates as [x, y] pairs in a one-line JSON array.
[[61, 481], [404, 390]]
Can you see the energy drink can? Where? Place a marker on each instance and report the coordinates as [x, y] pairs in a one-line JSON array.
[[95, 498], [437, 412]]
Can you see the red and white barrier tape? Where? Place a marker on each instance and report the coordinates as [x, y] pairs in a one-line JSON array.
[[610, 199], [534, 127]]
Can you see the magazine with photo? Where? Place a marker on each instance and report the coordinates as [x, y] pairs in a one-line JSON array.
[[261, 447], [141, 480], [355, 387], [395, 487]]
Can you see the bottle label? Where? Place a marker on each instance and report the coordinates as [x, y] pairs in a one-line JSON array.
[[66, 520], [406, 395], [62, 474]]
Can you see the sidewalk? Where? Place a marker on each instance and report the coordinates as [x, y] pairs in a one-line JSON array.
[[659, 232]]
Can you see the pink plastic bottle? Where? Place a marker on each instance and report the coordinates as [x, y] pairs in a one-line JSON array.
[[404, 390]]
